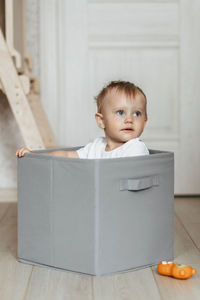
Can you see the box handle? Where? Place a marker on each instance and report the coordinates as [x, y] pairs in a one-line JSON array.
[[138, 184]]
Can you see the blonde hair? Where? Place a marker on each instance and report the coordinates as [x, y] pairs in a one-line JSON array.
[[126, 87]]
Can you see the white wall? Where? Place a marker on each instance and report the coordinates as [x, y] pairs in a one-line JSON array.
[[155, 44], [9, 134], [71, 43]]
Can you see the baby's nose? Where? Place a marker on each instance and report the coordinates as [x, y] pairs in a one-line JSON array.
[[129, 119]]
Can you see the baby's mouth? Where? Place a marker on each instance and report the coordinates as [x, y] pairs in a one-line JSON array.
[[128, 130]]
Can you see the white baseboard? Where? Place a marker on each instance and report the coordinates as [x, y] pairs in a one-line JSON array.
[[8, 195]]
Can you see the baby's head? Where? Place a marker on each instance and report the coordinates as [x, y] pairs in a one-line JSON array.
[[121, 111]]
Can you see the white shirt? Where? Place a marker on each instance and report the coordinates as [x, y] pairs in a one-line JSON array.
[[96, 149]]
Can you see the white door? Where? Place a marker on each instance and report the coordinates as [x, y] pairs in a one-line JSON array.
[[153, 43]]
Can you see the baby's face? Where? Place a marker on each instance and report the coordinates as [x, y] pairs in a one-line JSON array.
[[123, 118]]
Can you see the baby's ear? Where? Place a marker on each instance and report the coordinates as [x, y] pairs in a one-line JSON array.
[[100, 120]]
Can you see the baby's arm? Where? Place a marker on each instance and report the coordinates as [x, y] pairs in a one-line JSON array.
[[73, 154]]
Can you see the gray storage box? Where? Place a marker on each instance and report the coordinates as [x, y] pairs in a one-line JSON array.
[[95, 216]]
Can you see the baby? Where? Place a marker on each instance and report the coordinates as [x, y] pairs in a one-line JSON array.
[[122, 115]]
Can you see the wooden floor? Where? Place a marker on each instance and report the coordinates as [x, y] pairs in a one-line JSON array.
[[19, 281]]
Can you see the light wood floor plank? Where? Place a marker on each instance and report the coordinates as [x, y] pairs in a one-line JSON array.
[[3, 210], [54, 284], [139, 284], [188, 211], [14, 277], [194, 231], [186, 252], [8, 229]]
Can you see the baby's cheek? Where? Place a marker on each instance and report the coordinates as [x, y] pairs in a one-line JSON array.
[[115, 127], [120, 123]]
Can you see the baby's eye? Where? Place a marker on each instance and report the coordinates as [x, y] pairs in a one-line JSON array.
[[120, 112], [137, 114]]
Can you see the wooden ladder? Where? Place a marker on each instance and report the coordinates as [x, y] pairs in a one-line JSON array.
[[15, 78]]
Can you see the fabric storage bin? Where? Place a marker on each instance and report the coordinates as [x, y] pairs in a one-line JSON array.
[[95, 216]]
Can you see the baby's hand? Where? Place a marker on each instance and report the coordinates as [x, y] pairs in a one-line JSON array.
[[20, 152]]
